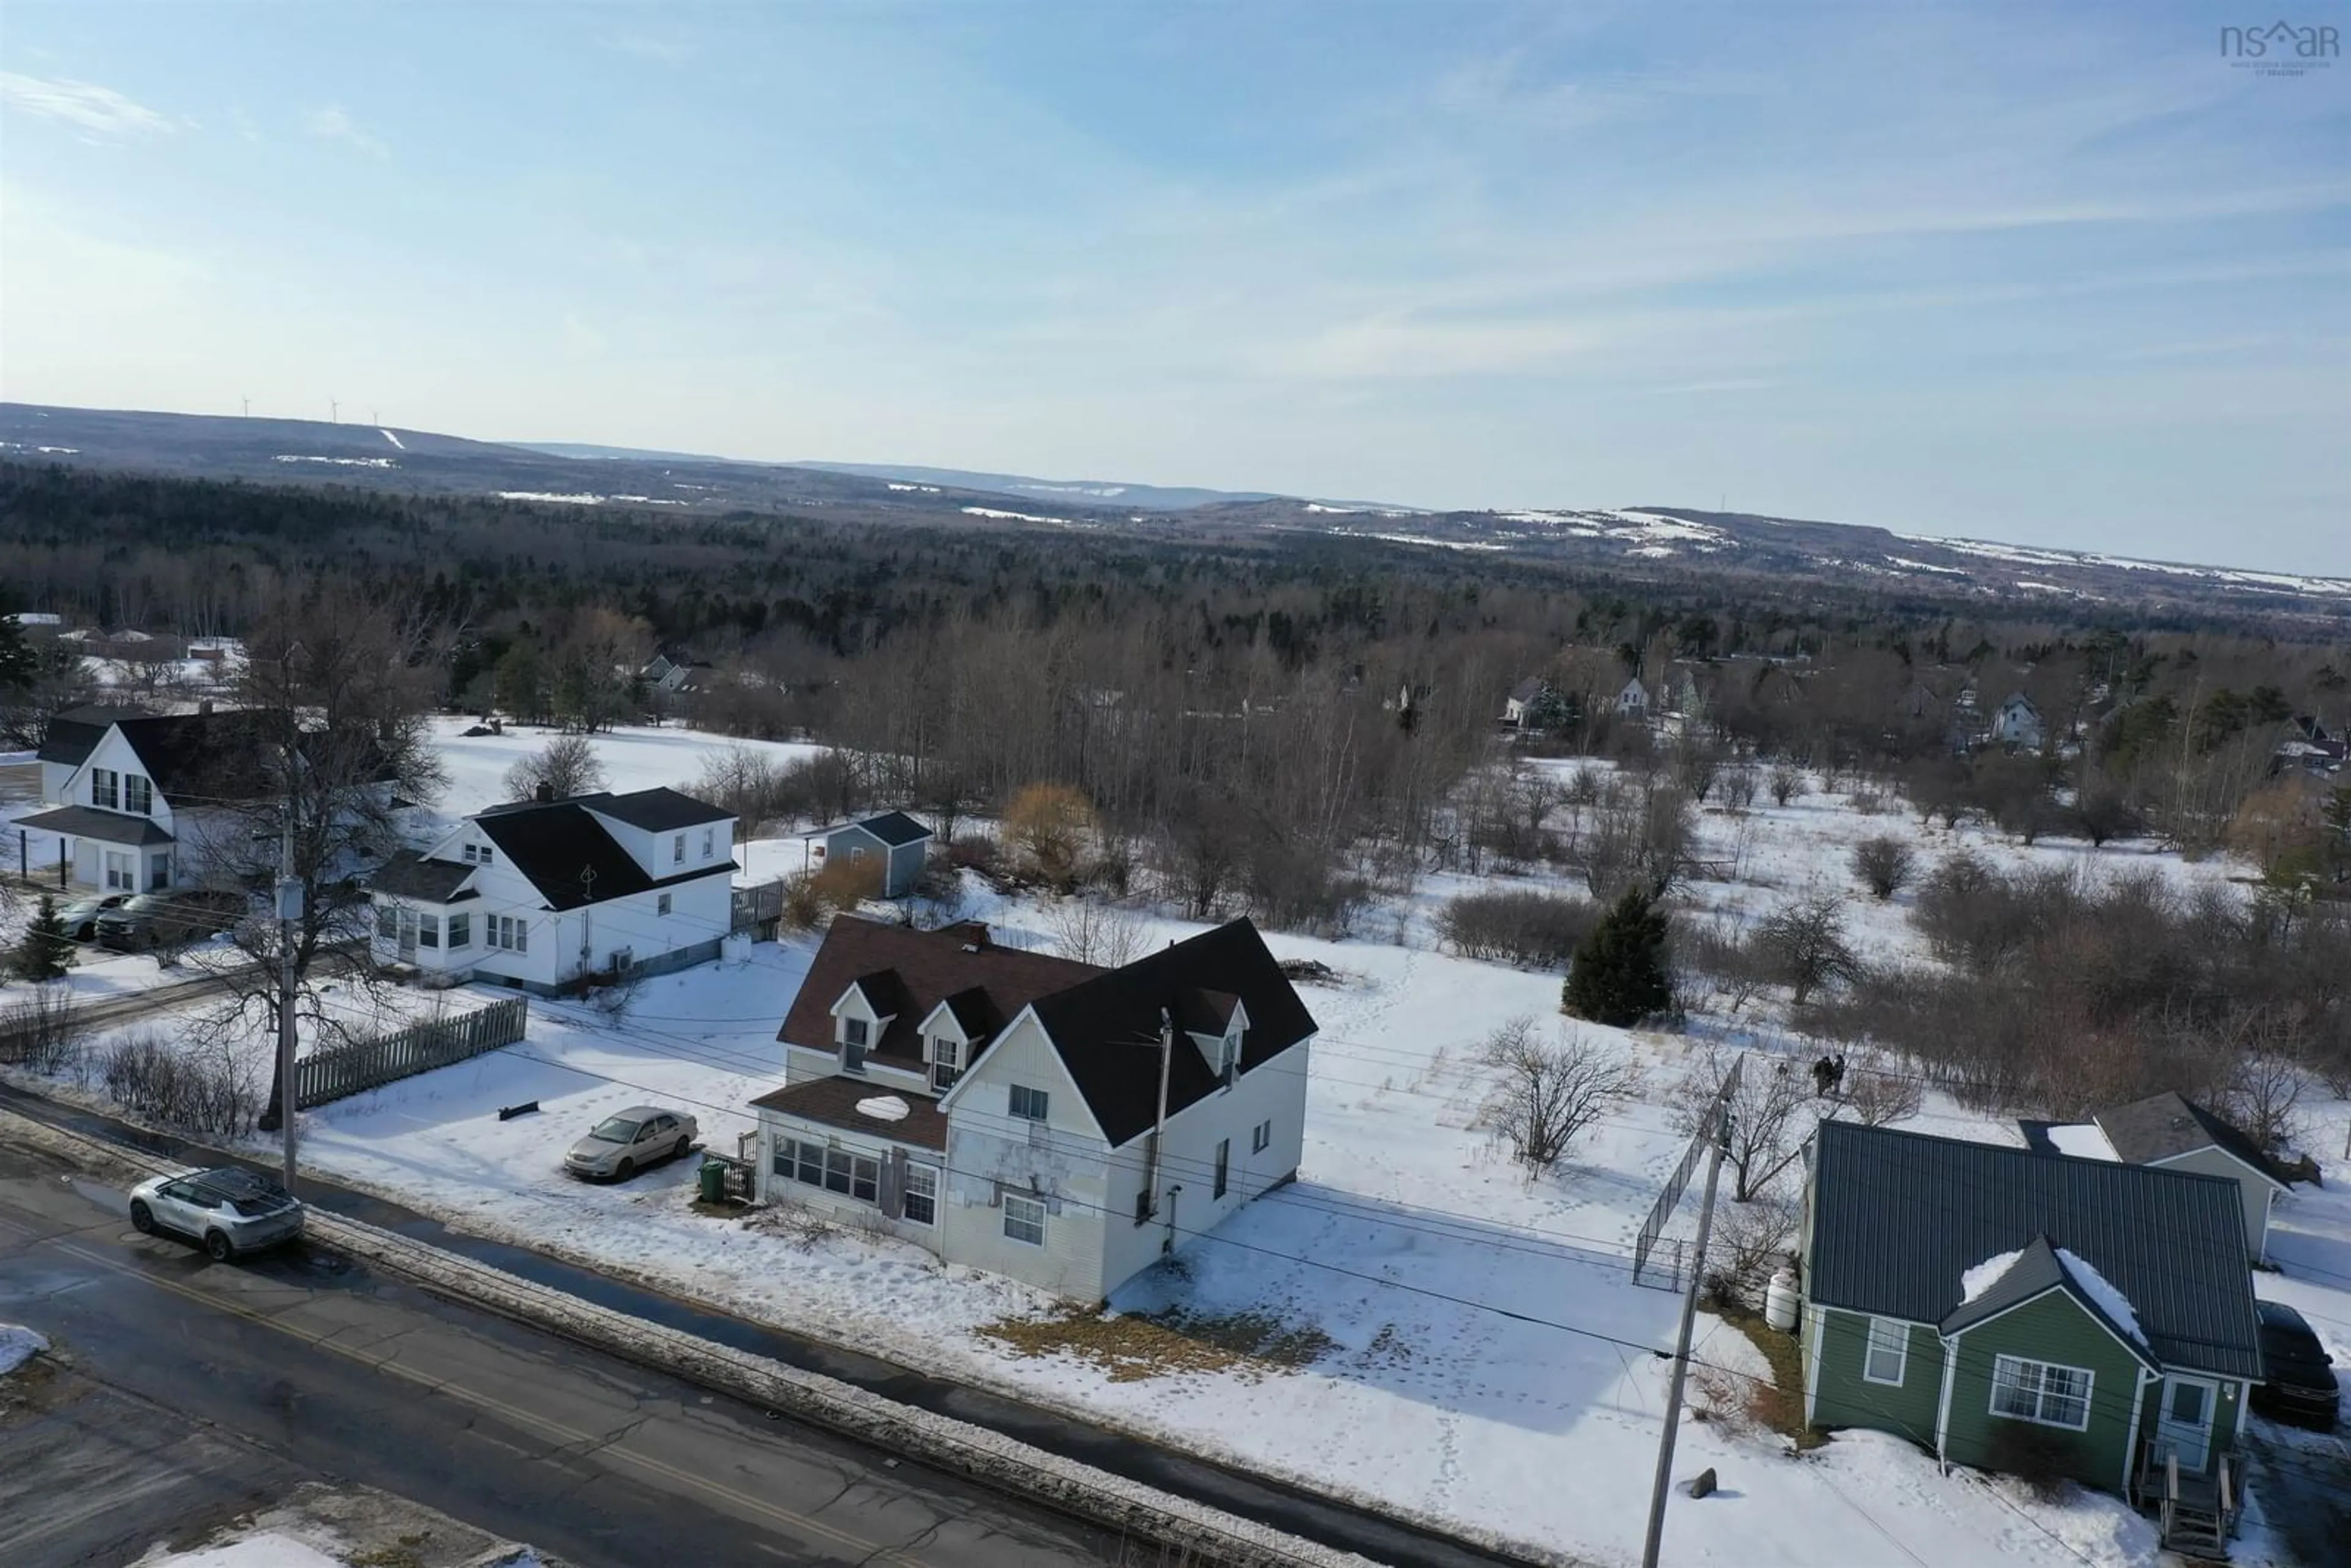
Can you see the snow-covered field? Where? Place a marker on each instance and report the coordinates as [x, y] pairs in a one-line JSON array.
[[1484, 1358]]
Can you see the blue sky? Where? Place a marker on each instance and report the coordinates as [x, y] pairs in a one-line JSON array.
[[2055, 275]]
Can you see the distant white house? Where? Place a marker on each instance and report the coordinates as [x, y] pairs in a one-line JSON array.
[[2017, 722], [1522, 698], [542, 892], [1633, 702], [1003, 1109], [143, 801], [894, 843]]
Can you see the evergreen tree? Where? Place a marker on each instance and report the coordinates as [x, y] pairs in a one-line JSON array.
[[1620, 974], [41, 956]]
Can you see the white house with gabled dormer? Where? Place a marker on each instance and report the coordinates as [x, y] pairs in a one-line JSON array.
[[143, 801], [1003, 1110], [543, 893]]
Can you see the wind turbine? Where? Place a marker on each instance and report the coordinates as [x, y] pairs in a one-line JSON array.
[[248, 405], [334, 412]]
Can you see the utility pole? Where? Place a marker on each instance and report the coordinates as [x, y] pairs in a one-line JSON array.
[[1720, 1125], [1159, 1123], [289, 916]]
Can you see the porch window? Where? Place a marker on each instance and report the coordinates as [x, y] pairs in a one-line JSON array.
[[923, 1194], [855, 1176], [428, 931], [105, 788], [1024, 1220], [139, 794], [1889, 1351], [947, 1063], [387, 922], [121, 872], [460, 931], [159, 870], [2037, 1391]]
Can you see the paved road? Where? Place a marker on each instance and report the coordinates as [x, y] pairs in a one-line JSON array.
[[1232, 1489], [197, 1391]]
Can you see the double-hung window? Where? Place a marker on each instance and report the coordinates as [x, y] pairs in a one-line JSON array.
[[1024, 1220], [947, 1063], [139, 794], [508, 933], [387, 922], [1889, 1351], [1261, 1136], [855, 1033], [105, 788], [923, 1194], [2037, 1391], [662, 905], [1028, 1105], [709, 843], [677, 850], [428, 931], [460, 931], [121, 872]]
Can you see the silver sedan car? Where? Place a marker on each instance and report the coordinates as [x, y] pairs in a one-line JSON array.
[[227, 1211], [621, 1145]]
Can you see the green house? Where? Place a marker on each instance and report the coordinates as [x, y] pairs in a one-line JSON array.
[[2009, 1309]]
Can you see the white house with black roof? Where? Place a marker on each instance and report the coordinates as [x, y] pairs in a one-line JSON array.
[[540, 894], [894, 843], [143, 801], [1004, 1109]]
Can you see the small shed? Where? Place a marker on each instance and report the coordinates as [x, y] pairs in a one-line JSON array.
[[898, 843]]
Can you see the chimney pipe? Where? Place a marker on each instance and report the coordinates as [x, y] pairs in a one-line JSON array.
[[544, 794]]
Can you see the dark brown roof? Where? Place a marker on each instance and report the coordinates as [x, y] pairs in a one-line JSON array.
[[833, 1103], [926, 967]]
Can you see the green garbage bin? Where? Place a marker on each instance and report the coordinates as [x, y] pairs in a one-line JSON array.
[[713, 1180]]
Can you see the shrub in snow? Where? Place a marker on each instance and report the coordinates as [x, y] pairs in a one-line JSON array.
[[1518, 926], [40, 1030], [1787, 783], [1884, 865], [1622, 973], [1093, 931], [1544, 1092]]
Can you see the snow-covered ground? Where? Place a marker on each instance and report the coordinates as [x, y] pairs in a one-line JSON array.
[[1468, 1345], [266, 1549]]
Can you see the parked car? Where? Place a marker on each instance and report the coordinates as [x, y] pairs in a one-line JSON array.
[[80, 915], [227, 1211], [146, 921], [620, 1146], [2297, 1376]]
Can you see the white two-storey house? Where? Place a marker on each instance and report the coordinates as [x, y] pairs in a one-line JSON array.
[[145, 802], [543, 893], [1061, 1123]]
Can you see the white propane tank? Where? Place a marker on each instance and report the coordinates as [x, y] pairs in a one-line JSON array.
[[1780, 1301]]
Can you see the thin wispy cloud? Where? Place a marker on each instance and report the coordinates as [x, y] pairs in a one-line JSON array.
[[664, 51], [85, 104], [334, 123]]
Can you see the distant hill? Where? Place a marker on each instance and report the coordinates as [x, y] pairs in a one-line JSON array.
[[1664, 544]]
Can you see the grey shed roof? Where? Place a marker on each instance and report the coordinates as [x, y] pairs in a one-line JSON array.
[[1900, 1216], [407, 875], [2164, 1125]]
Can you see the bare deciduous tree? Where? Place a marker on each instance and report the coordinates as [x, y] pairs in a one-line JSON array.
[[1546, 1092], [1767, 1114], [1094, 932], [1787, 783], [566, 766], [1803, 939]]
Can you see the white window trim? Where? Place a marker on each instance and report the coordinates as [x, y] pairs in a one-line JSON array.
[[1036, 1204], [2041, 1393], [1869, 1348], [930, 1171], [1043, 1097]]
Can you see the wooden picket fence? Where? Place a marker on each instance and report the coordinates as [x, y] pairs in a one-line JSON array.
[[367, 1064]]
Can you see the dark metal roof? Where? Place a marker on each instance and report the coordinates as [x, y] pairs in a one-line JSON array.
[[1900, 1216], [1104, 1028], [2162, 1126], [894, 829], [408, 875], [2035, 1272], [207, 757], [107, 827], [655, 810], [553, 846]]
